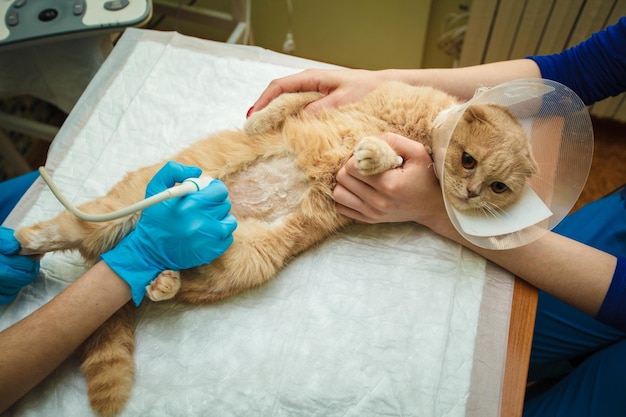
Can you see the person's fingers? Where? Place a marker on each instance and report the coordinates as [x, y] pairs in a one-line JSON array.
[[17, 270], [8, 244], [229, 224], [216, 210], [370, 188], [349, 178], [331, 100], [350, 205], [391, 195], [215, 192], [170, 174], [412, 153], [307, 80], [355, 197], [211, 201], [407, 148]]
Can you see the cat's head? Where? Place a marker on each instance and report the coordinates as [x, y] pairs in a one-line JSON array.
[[488, 161]]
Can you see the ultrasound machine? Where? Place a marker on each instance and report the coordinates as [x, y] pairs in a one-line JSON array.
[[29, 21]]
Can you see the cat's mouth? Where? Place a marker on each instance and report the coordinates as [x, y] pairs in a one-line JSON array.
[[465, 202]]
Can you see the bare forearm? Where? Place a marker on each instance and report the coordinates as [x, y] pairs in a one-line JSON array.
[[34, 347], [464, 81], [575, 273], [572, 272]]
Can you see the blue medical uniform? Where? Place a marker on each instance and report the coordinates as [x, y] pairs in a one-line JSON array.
[[587, 356], [12, 190]]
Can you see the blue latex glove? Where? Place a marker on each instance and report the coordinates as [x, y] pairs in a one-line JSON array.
[[16, 271], [176, 234]]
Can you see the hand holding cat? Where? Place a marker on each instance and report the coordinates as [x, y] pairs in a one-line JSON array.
[[408, 193], [339, 86], [16, 271], [176, 234]]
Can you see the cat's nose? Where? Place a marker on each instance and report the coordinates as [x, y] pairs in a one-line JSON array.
[[471, 193]]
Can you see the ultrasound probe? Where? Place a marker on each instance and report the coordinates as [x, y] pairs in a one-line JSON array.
[[188, 186]]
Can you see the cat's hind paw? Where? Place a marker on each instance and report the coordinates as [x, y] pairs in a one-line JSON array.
[[164, 286], [374, 155], [263, 121], [272, 117]]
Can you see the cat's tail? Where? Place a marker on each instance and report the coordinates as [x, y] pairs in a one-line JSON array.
[[108, 363]]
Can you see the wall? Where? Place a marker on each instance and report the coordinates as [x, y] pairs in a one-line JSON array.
[[433, 56], [510, 29], [371, 34]]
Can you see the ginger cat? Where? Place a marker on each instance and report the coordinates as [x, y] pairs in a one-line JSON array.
[[280, 171]]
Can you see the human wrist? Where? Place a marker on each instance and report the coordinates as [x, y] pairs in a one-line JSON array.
[[128, 263], [407, 76], [440, 223], [432, 213], [115, 290]]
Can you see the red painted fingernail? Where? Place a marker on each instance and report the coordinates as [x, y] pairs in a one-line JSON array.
[[249, 112]]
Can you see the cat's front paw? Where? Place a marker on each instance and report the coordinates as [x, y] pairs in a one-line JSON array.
[[164, 286], [374, 155]]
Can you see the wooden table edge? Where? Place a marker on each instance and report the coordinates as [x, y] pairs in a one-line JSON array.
[[521, 326]]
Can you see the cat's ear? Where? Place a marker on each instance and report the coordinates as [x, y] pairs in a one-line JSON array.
[[474, 113], [533, 167]]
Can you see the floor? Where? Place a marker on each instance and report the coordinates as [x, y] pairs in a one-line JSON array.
[[32, 149], [608, 170]]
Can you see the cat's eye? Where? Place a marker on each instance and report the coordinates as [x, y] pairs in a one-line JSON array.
[[468, 161], [498, 187]]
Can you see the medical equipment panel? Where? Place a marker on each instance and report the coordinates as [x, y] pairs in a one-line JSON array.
[[29, 21]]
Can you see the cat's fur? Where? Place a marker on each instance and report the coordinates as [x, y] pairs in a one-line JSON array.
[[280, 171]]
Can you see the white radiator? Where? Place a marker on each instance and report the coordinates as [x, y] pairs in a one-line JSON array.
[[508, 29]]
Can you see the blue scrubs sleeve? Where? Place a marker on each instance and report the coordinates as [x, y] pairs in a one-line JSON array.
[[595, 69]]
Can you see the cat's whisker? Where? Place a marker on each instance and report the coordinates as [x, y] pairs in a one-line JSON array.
[[494, 210]]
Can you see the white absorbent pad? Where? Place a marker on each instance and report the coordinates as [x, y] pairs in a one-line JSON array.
[[385, 320]]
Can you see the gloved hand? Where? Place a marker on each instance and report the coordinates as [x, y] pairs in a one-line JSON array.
[[16, 271], [178, 233]]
